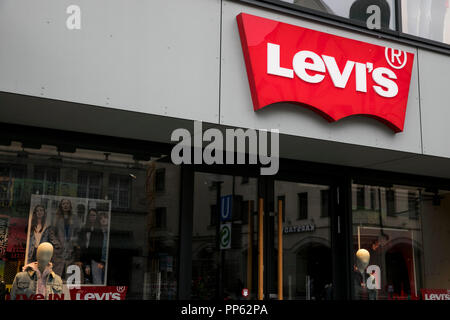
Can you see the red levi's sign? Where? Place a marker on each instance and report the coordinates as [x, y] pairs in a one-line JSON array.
[[334, 76], [435, 294], [99, 293]]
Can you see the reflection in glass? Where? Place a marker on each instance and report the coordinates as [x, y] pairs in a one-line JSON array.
[[361, 11], [307, 269], [103, 212], [223, 270], [429, 19], [404, 230]]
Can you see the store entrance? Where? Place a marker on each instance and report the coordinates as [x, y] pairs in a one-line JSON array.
[[302, 240], [224, 253], [261, 238], [313, 269]]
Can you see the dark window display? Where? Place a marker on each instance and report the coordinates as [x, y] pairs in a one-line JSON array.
[[99, 213], [224, 254], [397, 242], [111, 223]]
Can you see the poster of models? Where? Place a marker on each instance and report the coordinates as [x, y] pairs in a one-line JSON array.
[[78, 229], [3, 234]]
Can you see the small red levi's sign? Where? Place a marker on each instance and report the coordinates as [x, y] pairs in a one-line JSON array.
[[334, 76], [435, 294], [99, 293]]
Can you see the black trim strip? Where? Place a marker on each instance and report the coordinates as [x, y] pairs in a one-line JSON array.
[[142, 150], [68, 141]]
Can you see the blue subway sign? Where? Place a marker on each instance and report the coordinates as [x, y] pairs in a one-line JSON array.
[[226, 203]]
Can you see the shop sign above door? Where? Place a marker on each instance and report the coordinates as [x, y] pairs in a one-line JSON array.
[[299, 229], [334, 76]]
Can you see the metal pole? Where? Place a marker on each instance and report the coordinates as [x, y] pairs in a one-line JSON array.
[[280, 250], [261, 252], [250, 248], [219, 287]]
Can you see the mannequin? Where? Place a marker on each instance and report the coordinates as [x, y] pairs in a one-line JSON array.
[[362, 260], [37, 281]]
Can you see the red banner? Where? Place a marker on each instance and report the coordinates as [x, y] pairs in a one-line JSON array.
[[17, 239], [435, 294]]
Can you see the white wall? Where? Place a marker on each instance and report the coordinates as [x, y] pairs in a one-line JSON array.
[[139, 69]]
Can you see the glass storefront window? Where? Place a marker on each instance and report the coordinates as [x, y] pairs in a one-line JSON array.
[[307, 265], [399, 234], [429, 19], [116, 219], [222, 269], [361, 11], [110, 222]]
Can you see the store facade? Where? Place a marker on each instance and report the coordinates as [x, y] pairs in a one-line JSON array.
[[87, 116]]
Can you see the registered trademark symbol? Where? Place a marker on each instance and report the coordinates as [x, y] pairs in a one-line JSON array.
[[396, 58]]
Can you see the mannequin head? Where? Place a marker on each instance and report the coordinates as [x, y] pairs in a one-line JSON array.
[[44, 254], [362, 259]]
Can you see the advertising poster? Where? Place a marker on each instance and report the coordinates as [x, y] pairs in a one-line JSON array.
[[3, 234], [6, 191], [78, 229], [17, 239]]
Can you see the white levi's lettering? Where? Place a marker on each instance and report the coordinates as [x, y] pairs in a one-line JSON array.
[[391, 86], [312, 68], [339, 79], [273, 62], [301, 65]]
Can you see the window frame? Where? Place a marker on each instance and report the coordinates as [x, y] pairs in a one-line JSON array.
[[161, 218], [89, 174], [160, 180], [302, 202], [337, 21], [391, 208], [213, 218], [325, 203], [45, 183], [13, 195], [117, 189]]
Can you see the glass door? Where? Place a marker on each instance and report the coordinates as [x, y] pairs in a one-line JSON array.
[[259, 238], [302, 241], [388, 240], [224, 252]]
